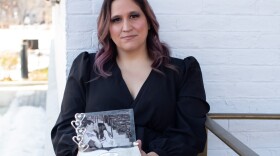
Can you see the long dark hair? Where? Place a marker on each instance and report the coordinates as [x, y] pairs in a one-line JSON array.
[[157, 51]]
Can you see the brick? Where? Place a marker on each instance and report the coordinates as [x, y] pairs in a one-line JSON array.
[[243, 90], [268, 7], [96, 6], [217, 152], [94, 41], [226, 105], [81, 40], [214, 40], [177, 7], [79, 7], [80, 23], [254, 125], [265, 151], [274, 151], [268, 40], [205, 56], [167, 22], [227, 23], [259, 57], [242, 73], [244, 105], [202, 23], [236, 7], [264, 139], [230, 152], [227, 152], [254, 23], [264, 105], [215, 91], [71, 55], [254, 57]]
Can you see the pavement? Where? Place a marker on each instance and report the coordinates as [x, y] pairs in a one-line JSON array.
[[27, 93]]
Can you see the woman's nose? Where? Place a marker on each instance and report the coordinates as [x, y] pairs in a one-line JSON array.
[[126, 26]]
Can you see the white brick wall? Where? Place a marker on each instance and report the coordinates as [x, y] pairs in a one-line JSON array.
[[237, 43]]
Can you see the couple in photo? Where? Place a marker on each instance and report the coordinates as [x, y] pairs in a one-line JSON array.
[[97, 136]]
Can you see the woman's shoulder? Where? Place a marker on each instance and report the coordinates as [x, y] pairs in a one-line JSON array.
[[83, 60], [184, 63], [84, 56], [82, 65]]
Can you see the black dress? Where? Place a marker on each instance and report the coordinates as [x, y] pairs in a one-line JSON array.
[[169, 109]]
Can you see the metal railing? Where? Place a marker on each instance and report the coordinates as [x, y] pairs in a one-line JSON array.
[[244, 116], [225, 136]]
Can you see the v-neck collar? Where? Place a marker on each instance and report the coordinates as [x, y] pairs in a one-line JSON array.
[[124, 85]]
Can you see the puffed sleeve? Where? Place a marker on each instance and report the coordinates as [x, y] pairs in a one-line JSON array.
[[73, 102], [188, 136]]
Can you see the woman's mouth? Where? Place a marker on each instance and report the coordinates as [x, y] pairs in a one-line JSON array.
[[128, 37]]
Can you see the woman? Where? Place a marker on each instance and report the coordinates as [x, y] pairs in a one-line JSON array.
[[133, 69]]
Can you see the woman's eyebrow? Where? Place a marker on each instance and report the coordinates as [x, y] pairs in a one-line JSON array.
[[134, 12], [114, 16], [129, 13]]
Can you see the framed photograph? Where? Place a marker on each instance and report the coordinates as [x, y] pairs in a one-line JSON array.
[[107, 130]]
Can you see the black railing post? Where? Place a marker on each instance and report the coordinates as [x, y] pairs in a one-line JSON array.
[[24, 60]]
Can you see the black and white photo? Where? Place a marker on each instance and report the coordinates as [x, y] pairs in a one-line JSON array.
[[104, 130]]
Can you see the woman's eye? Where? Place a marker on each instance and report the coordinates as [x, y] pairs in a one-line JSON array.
[[134, 16], [115, 20]]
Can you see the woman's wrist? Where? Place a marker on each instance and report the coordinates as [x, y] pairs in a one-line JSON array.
[[152, 154]]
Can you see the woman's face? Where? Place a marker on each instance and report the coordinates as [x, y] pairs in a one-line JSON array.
[[128, 26]]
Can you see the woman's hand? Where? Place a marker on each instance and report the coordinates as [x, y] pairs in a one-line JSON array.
[[144, 153], [152, 154]]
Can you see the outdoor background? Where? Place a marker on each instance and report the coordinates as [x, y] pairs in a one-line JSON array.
[[23, 93], [237, 43]]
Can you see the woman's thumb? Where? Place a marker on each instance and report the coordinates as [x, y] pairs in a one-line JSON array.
[[138, 143]]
